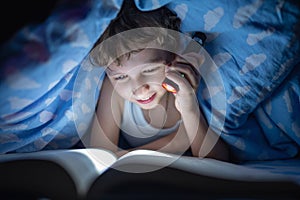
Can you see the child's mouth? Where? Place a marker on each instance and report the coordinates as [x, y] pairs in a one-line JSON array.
[[147, 100]]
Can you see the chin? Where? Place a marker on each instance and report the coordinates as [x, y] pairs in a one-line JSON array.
[[148, 106]]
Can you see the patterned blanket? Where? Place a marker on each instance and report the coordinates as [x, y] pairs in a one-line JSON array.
[[49, 90]]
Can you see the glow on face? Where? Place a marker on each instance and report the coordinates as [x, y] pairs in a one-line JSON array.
[[139, 78]]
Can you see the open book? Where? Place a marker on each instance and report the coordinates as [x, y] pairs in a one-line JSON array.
[[94, 173]]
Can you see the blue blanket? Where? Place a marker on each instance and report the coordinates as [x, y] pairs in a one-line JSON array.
[[49, 90]]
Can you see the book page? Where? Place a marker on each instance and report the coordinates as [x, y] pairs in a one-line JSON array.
[[201, 166], [86, 165], [149, 159], [83, 165]]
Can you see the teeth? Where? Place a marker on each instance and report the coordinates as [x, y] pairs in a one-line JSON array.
[[145, 99]]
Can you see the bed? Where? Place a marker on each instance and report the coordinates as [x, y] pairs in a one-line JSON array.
[[49, 89]]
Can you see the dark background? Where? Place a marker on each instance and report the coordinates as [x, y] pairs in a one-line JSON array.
[[16, 14]]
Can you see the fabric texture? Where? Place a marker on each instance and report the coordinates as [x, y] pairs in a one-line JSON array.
[[46, 80], [255, 46]]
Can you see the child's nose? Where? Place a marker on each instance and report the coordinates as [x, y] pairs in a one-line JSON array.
[[140, 90]]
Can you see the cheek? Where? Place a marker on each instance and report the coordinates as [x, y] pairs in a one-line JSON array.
[[156, 79], [122, 89]]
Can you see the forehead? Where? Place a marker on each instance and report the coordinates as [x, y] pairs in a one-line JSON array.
[[143, 57]]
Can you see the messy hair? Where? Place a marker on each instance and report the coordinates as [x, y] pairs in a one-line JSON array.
[[142, 27]]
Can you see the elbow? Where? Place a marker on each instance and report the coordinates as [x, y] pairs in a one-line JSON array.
[[219, 151]]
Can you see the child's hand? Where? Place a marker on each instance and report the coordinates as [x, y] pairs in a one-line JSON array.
[[187, 77], [121, 153]]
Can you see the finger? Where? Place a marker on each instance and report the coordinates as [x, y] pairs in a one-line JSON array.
[[183, 84], [187, 59], [195, 60], [187, 70]]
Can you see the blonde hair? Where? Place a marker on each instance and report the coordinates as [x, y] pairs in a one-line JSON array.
[[133, 30]]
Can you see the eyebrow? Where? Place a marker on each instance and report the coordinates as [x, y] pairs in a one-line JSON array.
[[111, 72]]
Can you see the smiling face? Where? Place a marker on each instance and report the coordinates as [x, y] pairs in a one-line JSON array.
[[138, 78]]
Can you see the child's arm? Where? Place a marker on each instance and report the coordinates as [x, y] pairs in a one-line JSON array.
[[191, 133], [106, 123], [176, 142], [194, 131], [204, 141]]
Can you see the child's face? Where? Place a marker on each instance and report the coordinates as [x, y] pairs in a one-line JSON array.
[[139, 78]]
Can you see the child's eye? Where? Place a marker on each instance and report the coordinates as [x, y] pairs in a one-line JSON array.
[[121, 77], [151, 70]]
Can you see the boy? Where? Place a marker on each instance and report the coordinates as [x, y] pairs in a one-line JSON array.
[[133, 104]]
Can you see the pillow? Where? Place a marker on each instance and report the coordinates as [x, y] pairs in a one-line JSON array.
[[255, 46], [41, 106]]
